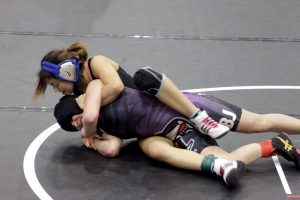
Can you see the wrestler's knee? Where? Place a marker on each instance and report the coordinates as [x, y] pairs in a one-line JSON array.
[[156, 147], [267, 123], [148, 80], [252, 122]]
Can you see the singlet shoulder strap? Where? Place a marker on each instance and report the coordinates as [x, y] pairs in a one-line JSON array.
[[87, 67]]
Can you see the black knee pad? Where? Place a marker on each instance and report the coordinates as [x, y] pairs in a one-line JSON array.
[[148, 80]]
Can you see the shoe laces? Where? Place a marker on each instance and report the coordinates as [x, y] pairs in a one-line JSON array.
[[208, 123]]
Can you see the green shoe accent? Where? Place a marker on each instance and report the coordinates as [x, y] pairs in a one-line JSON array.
[[207, 163]]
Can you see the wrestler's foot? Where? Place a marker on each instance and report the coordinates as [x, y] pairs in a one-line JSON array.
[[231, 171], [208, 126], [284, 147]]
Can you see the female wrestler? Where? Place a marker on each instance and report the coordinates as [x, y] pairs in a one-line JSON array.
[[70, 71], [135, 114]]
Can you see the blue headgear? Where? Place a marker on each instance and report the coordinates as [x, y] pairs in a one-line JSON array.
[[67, 70]]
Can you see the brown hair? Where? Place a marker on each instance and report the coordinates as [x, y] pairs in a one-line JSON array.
[[76, 50]]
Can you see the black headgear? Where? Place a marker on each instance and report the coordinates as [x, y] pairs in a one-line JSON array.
[[64, 110]]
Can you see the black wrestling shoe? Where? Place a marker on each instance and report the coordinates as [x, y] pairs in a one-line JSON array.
[[232, 172], [284, 147]]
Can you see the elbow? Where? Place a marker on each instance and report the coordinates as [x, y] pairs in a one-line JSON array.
[[118, 88], [114, 150], [112, 153]]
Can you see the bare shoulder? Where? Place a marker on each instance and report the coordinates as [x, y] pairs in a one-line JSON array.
[[96, 82], [99, 60]]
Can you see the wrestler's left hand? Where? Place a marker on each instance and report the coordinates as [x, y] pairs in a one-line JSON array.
[[89, 142]]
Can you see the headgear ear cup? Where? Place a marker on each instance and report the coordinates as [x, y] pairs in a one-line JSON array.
[[67, 70]]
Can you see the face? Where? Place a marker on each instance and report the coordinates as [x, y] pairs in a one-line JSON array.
[[76, 122], [61, 86]]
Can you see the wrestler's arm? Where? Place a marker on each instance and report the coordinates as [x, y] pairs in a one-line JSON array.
[[90, 103], [104, 69]]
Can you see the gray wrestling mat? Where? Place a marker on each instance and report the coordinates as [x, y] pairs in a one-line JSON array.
[[198, 44]]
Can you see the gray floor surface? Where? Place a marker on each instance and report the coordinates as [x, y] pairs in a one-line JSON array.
[[198, 44]]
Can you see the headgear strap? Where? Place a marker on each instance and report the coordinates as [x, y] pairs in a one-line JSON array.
[[67, 70]]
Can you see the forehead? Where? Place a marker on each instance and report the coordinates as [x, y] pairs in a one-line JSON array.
[[52, 80]]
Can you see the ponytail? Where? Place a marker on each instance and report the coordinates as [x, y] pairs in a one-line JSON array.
[[79, 50]]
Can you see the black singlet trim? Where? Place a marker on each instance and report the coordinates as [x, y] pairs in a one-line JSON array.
[[89, 66]]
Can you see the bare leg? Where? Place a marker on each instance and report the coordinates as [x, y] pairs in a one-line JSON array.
[[162, 149], [172, 96], [250, 122], [257, 123], [157, 84], [247, 154], [215, 159]]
